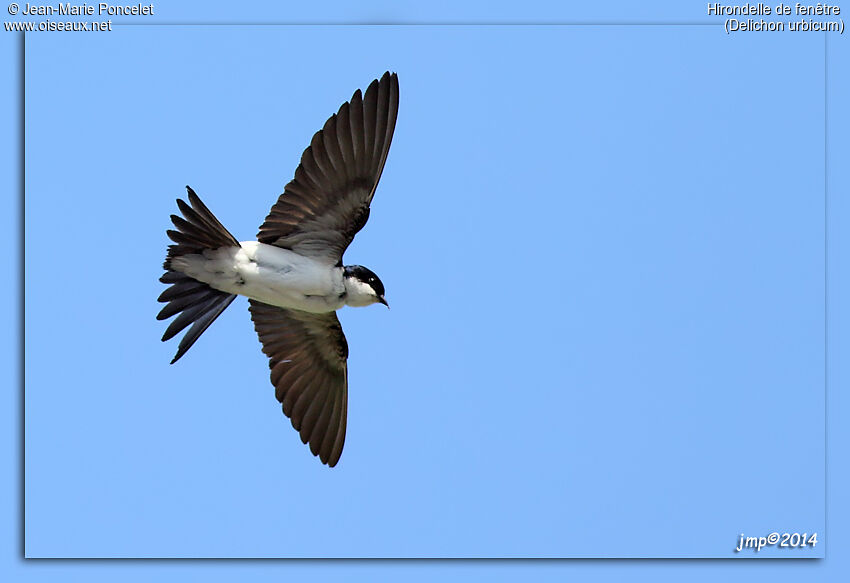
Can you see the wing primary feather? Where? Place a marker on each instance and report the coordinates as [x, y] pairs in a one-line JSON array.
[[346, 148], [322, 426], [331, 146], [330, 428], [357, 134], [321, 157], [370, 123], [291, 395], [311, 415], [382, 104], [339, 438], [306, 397], [322, 429]]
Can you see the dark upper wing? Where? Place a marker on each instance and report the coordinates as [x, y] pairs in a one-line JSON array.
[[307, 356], [327, 202]]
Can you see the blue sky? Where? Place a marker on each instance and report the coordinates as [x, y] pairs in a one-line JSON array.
[[604, 249]]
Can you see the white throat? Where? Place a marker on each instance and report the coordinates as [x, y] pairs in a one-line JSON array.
[[358, 293]]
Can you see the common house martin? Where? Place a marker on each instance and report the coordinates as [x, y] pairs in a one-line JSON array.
[[293, 274]]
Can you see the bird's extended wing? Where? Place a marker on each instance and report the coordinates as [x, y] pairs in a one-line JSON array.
[[307, 356], [327, 202]]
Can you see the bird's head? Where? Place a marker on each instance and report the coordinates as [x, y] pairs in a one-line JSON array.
[[362, 286]]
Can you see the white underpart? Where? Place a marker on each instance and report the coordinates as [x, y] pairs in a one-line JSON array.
[[273, 276]]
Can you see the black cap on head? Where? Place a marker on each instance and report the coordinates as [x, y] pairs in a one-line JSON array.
[[366, 275]]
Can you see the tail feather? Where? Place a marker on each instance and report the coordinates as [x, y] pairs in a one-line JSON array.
[[197, 230], [182, 286], [187, 304], [200, 315], [193, 302]]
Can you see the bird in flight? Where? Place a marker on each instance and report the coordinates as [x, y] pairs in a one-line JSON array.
[[293, 274]]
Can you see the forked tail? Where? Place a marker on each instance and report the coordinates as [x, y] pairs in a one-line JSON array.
[[196, 302]]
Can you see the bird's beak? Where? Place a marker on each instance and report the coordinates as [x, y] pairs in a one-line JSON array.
[[383, 301]]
